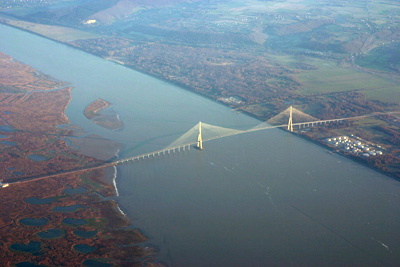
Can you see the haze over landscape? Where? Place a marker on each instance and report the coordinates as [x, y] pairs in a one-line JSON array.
[[97, 97]]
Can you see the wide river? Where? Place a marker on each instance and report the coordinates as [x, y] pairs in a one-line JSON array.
[[266, 198]]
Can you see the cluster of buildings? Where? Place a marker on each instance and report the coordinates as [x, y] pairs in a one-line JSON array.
[[2, 185], [22, 3], [90, 21], [232, 100], [355, 145]]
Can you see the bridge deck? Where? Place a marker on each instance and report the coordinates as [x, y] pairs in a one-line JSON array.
[[168, 150]]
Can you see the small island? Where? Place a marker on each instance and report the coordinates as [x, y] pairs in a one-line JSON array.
[[65, 220], [99, 114]]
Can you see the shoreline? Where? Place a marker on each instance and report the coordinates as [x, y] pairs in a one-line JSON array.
[[121, 212], [114, 181], [177, 84], [90, 194], [186, 88], [350, 157]]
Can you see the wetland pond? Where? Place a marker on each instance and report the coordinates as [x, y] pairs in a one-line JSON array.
[[34, 221], [31, 247], [71, 208], [51, 234], [82, 248], [39, 201], [265, 198], [85, 234], [35, 157], [74, 222]]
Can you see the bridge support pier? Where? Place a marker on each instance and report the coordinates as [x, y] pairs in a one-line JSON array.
[[290, 123], [200, 139]]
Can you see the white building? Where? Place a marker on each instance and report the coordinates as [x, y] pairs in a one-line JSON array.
[[3, 185]]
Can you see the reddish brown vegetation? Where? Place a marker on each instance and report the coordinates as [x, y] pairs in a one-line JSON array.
[[209, 71], [101, 216], [394, 136], [37, 112], [34, 118], [18, 77], [93, 108]]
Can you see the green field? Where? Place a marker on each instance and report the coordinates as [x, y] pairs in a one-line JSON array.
[[385, 58], [326, 76], [58, 33], [390, 94], [329, 77]]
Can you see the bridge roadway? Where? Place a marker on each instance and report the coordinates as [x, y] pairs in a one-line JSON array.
[[184, 147], [154, 154], [161, 152]]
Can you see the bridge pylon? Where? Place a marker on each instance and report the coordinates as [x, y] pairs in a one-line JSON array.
[[290, 123], [199, 139]]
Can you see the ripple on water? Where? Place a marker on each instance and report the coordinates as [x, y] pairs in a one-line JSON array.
[[34, 221]]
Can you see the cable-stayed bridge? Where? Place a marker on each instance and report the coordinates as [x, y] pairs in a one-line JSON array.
[[203, 132]]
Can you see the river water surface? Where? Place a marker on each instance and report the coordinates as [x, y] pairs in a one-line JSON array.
[[264, 198]]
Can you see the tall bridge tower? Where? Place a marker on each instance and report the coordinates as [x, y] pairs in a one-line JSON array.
[[290, 123], [200, 139]]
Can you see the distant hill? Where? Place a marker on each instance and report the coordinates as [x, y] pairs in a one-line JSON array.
[[125, 8]]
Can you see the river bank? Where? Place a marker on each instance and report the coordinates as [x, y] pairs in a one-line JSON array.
[[160, 77], [357, 159], [50, 224], [231, 203]]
